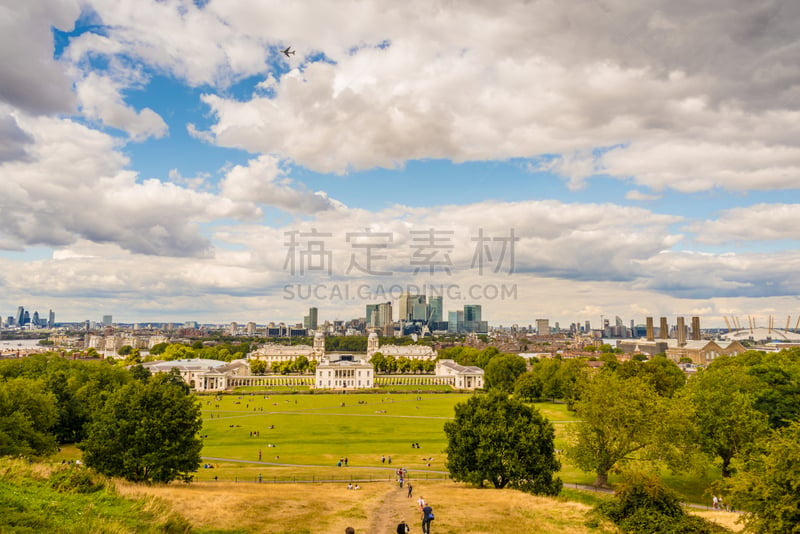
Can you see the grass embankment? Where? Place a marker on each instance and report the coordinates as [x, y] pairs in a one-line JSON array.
[[29, 502]]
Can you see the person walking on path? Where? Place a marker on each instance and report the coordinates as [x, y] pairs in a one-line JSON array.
[[427, 517], [403, 528], [409, 490]]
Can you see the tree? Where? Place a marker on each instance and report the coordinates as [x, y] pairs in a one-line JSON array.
[[528, 387], [658, 371], [503, 370], [725, 416], [146, 432], [27, 414], [125, 350], [768, 483], [620, 417], [500, 440], [258, 367]]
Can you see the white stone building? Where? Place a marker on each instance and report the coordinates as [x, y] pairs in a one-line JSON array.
[[346, 372], [465, 376], [412, 352]]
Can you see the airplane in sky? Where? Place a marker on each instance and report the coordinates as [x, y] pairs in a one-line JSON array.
[[288, 52]]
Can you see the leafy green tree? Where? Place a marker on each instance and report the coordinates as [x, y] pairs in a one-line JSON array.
[[27, 416], [663, 374], [503, 441], [485, 356], [547, 371], [158, 348], [258, 367], [724, 413], [503, 370], [620, 418], [140, 373], [146, 432], [177, 351], [125, 350], [528, 387], [768, 483], [378, 362], [301, 364]]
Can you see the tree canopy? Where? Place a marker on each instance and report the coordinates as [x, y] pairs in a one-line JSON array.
[[725, 416], [146, 431], [27, 414], [619, 418], [503, 370], [768, 483], [500, 440]]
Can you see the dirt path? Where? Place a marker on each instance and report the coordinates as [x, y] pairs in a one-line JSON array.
[[393, 508]]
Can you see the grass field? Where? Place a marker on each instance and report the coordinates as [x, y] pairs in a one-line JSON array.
[[311, 433]]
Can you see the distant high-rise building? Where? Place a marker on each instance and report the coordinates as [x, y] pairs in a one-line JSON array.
[[108, 320], [310, 321], [696, 328], [20, 316], [588, 327], [472, 317], [233, 328], [650, 330], [435, 309], [384, 318], [455, 322], [664, 333], [372, 314], [35, 318], [26, 318], [405, 307], [251, 328], [51, 319], [543, 327]]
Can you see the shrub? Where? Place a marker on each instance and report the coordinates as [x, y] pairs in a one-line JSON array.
[[643, 504], [73, 479]]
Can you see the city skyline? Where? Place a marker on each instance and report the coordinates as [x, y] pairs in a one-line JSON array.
[[163, 161]]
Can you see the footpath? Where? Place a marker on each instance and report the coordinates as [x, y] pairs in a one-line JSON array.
[[393, 508]]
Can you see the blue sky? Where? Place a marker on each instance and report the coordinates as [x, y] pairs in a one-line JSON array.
[[154, 156]]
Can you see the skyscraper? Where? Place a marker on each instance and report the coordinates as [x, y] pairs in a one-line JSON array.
[[455, 322], [372, 314], [472, 316], [51, 319], [310, 321], [435, 309], [108, 320], [405, 307], [20, 316], [543, 327]]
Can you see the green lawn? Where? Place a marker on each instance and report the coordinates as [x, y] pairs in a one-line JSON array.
[[312, 432]]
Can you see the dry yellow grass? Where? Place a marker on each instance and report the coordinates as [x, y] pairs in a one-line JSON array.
[[726, 519], [328, 509]]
